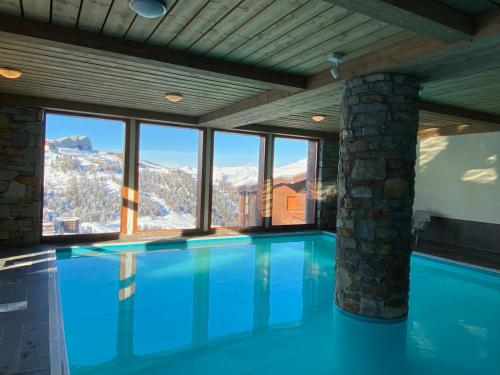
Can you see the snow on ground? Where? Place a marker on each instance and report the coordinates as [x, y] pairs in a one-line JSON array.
[[193, 171], [149, 165], [113, 186], [109, 166], [93, 227], [160, 203], [173, 220]]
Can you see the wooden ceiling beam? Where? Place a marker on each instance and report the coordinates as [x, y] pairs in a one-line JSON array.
[[84, 42], [324, 91], [281, 130], [460, 113], [465, 121], [97, 109], [425, 17], [81, 108], [433, 124]]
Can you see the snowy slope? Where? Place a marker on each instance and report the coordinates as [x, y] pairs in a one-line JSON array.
[[86, 184], [237, 176]]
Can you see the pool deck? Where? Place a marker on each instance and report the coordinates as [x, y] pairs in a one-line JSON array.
[[31, 338], [467, 255], [25, 312]]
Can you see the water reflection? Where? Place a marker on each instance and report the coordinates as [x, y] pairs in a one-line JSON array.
[[200, 298], [262, 278], [126, 307], [266, 308]]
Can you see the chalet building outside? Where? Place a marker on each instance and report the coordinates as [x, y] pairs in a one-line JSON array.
[[289, 201], [249, 187]]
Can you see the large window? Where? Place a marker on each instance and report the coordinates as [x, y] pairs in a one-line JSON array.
[[237, 180], [168, 177], [84, 171], [294, 181], [83, 175]]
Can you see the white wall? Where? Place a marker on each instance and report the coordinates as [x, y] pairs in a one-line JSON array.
[[458, 177]]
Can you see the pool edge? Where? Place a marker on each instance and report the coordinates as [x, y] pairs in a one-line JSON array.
[[270, 234], [457, 263], [190, 240], [59, 364]]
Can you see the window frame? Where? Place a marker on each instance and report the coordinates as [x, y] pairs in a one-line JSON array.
[[202, 145], [285, 227], [263, 172], [266, 169], [82, 237]]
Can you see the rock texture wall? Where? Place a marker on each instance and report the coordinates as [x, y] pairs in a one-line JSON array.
[[375, 194], [327, 184], [21, 142]]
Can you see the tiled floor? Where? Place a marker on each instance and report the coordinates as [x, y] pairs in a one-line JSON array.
[[24, 313]]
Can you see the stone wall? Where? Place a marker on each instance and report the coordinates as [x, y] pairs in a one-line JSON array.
[[21, 141], [375, 194], [327, 184]]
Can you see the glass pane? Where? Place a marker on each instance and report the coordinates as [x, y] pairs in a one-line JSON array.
[[237, 181], [83, 175], [168, 177], [294, 181]]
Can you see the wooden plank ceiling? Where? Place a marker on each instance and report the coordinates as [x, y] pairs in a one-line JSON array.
[[282, 36], [55, 73]]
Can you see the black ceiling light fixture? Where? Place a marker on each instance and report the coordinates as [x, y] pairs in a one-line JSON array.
[[149, 8]]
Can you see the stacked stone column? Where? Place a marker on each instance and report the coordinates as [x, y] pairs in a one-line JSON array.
[[21, 141], [375, 194], [326, 208]]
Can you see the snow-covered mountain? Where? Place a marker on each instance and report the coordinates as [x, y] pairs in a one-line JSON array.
[[248, 174], [244, 175], [291, 169], [237, 176], [85, 184]]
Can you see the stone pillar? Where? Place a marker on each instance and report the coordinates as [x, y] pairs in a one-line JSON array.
[[21, 140], [375, 194], [327, 184]]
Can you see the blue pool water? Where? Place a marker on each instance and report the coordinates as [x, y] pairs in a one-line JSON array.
[[264, 305]]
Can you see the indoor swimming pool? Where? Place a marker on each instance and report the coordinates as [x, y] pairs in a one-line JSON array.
[[264, 305]]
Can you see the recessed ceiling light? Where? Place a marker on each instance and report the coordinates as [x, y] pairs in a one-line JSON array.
[[148, 8], [10, 73], [318, 118], [174, 97]]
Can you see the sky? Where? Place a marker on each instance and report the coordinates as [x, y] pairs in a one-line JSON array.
[[173, 146]]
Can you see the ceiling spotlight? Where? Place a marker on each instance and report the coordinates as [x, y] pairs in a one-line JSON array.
[[173, 97], [335, 58], [148, 8], [10, 73], [318, 118], [335, 72]]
